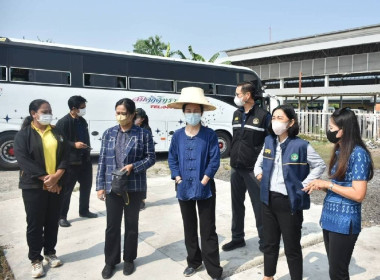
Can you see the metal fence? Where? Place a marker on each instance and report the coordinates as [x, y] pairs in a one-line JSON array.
[[315, 123]]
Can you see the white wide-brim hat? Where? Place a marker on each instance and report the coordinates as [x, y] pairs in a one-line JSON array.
[[193, 95]]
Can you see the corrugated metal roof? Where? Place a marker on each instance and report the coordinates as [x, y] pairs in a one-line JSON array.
[[345, 38]]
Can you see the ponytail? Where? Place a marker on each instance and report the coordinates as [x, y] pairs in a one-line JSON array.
[[27, 121]]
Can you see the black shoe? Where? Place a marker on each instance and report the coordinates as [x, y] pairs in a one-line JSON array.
[[233, 244], [129, 268], [64, 223], [142, 205], [190, 271], [88, 215], [107, 271]]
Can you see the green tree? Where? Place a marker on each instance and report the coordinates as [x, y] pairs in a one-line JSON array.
[[198, 57], [152, 46]]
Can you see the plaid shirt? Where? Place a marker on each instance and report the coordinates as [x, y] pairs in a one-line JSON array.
[[139, 151]]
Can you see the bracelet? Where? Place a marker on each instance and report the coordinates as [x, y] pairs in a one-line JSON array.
[[331, 186]]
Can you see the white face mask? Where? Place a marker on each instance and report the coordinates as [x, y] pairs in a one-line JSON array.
[[82, 112], [279, 127], [45, 119], [239, 101]]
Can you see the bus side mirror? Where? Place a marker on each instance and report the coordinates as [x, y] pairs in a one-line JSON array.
[[171, 132], [94, 133]]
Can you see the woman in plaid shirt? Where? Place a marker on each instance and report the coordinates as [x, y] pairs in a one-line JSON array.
[[129, 148]]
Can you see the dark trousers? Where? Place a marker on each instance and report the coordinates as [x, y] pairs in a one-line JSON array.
[[42, 214], [241, 181], [339, 248], [81, 173], [115, 207], [209, 238], [278, 220]]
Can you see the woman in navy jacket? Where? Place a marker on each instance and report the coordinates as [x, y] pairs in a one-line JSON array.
[[285, 165], [41, 153]]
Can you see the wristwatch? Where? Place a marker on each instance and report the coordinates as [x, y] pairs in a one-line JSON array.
[[331, 186]]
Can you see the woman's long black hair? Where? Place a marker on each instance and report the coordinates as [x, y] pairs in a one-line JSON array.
[[346, 120], [33, 106]]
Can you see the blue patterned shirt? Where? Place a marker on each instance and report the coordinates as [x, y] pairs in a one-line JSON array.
[[138, 150], [192, 158], [338, 212]]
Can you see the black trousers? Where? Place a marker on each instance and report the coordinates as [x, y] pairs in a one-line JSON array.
[[339, 248], [115, 207], [278, 220], [81, 173], [42, 214], [209, 238], [241, 181]]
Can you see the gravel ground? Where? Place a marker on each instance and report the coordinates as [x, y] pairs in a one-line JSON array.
[[370, 209]]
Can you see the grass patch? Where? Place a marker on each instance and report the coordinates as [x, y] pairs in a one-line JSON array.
[[324, 149], [5, 270]]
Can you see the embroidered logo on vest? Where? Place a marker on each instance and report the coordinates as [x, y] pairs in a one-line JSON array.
[[256, 121], [294, 157], [267, 152]]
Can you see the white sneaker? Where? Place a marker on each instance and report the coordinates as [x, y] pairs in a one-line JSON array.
[[37, 269], [52, 260]]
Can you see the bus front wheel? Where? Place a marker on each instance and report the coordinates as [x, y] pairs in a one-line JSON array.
[[224, 141], [7, 155]]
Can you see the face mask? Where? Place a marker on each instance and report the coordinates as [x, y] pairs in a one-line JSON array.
[[45, 119], [123, 120], [331, 136], [193, 118], [279, 127], [239, 101], [82, 112]]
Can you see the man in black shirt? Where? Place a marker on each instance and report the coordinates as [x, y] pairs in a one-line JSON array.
[[249, 124], [75, 129]]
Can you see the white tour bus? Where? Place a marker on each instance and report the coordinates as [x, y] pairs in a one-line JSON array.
[[35, 70]]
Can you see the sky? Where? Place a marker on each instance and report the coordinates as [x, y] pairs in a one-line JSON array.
[[209, 26]]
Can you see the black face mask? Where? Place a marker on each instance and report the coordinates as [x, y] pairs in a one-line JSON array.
[[331, 136]]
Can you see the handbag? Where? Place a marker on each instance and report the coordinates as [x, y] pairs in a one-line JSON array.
[[119, 184]]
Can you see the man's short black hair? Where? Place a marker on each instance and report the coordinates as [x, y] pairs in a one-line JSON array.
[[75, 101]]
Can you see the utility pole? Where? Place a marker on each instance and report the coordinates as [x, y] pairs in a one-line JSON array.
[[270, 34]]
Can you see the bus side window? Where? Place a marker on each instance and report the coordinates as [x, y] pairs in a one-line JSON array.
[[121, 82], [19, 74], [3, 73]]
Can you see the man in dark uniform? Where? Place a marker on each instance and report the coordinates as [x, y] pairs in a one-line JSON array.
[[249, 124], [74, 127]]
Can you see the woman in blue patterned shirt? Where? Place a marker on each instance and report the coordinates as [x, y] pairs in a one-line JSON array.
[[194, 158], [350, 169]]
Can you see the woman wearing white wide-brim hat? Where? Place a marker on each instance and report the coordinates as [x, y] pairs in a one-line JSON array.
[[194, 158]]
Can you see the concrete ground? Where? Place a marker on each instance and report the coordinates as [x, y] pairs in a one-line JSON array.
[[161, 251]]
